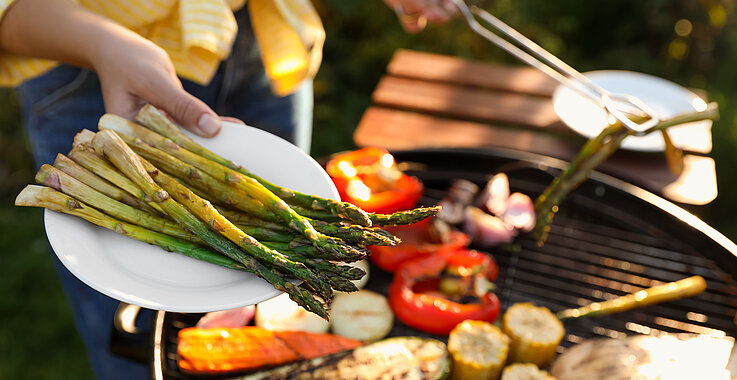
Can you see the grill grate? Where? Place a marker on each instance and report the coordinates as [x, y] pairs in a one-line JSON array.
[[605, 242]]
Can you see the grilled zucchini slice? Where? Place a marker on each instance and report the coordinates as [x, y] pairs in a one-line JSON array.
[[394, 358]]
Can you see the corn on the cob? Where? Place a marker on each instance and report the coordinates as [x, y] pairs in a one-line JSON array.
[[534, 332], [525, 371], [479, 350]]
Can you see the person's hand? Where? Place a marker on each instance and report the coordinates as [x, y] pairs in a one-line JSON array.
[[414, 15], [134, 71]]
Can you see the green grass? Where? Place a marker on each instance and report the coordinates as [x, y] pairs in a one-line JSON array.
[[37, 336]]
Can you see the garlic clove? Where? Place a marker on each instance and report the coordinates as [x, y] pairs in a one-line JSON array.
[[487, 229], [520, 212], [496, 194]]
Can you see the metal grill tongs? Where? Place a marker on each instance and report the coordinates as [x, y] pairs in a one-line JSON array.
[[630, 111]]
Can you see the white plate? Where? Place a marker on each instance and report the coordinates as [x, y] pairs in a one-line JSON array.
[[665, 97], [146, 275]]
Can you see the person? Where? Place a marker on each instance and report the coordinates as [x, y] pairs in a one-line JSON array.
[[72, 61]]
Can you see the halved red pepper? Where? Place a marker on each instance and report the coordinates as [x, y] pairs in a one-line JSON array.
[[417, 241], [370, 179], [427, 309]]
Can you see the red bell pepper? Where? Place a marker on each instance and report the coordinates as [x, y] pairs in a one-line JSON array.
[[418, 305], [417, 241], [369, 178]]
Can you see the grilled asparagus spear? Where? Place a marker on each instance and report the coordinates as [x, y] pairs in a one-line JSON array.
[[593, 153], [379, 220], [46, 197], [156, 120]]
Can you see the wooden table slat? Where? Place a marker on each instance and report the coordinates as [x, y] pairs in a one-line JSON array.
[[466, 103], [436, 67]]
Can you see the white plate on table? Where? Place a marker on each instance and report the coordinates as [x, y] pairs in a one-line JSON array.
[[665, 97], [146, 275]]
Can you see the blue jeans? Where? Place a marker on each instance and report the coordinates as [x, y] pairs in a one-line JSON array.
[[62, 102]]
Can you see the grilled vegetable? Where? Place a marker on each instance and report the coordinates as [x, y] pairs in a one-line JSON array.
[[666, 356], [362, 315], [535, 333], [525, 371], [223, 350], [282, 314], [395, 358], [415, 296], [687, 287], [369, 178], [479, 350]]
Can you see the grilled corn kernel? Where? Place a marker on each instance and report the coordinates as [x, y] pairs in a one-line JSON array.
[[534, 332], [525, 371], [479, 350]]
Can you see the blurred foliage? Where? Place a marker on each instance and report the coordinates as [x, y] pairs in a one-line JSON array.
[[37, 335], [693, 43]]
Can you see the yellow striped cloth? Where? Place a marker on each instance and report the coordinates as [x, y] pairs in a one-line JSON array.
[[198, 34]]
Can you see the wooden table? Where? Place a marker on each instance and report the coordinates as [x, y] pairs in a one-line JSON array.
[[436, 101]]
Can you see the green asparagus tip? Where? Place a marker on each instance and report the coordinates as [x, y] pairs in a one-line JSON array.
[[354, 214], [404, 217]]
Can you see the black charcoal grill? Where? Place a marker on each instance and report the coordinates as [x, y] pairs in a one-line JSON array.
[[609, 238]]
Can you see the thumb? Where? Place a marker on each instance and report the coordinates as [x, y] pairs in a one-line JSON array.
[[190, 112]]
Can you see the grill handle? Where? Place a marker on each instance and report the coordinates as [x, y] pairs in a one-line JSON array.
[[127, 338], [667, 292]]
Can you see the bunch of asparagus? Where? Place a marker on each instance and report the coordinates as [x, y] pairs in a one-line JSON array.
[[153, 183]]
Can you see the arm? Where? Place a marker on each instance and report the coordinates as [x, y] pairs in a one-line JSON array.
[[132, 70]]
